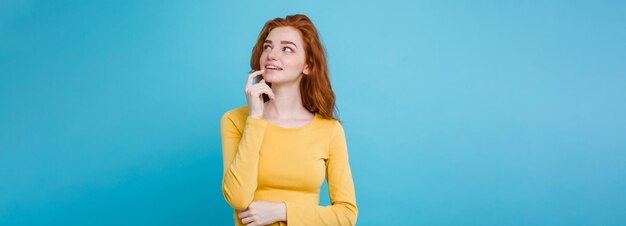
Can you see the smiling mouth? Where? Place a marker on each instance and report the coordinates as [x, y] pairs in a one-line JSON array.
[[270, 67]]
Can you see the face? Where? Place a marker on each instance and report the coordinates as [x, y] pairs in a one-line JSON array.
[[283, 56]]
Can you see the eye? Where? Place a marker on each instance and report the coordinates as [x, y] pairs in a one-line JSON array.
[[288, 49], [265, 47]]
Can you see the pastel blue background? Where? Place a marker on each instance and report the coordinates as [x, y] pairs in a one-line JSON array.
[[456, 112]]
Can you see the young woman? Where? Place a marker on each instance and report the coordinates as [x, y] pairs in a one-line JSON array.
[[278, 150]]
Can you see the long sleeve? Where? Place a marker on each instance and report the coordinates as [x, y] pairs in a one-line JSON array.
[[240, 152], [343, 210]]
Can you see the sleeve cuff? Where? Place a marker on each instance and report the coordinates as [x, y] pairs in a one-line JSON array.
[[294, 210], [290, 213]]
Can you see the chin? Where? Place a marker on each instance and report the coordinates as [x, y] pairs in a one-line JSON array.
[[273, 81], [277, 78], [270, 77]]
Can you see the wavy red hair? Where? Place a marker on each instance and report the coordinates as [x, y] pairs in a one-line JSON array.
[[317, 93]]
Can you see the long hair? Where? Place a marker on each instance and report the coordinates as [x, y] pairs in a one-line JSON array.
[[317, 93]]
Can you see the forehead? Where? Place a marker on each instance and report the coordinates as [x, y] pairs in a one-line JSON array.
[[285, 34]]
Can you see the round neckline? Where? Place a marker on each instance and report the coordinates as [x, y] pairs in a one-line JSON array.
[[315, 116]]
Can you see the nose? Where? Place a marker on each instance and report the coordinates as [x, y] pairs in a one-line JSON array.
[[272, 55]]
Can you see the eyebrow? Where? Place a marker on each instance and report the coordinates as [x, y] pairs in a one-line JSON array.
[[282, 42]]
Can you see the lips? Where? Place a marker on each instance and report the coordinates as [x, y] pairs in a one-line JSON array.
[[273, 68]]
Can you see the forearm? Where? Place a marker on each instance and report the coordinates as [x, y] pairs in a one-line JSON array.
[[241, 160], [337, 214]]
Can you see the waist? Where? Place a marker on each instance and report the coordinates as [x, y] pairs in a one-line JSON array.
[[286, 195], [276, 195]]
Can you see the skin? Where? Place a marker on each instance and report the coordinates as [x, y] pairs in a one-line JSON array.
[[284, 48], [285, 106]]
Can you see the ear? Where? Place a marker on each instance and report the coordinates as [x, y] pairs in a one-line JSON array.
[[306, 69]]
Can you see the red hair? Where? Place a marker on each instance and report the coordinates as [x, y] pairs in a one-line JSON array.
[[317, 93]]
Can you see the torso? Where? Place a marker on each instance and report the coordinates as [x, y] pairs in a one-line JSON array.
[[292, 122]]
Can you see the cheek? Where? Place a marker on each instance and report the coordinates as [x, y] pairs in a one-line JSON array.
[[294, 64], [262, 58]]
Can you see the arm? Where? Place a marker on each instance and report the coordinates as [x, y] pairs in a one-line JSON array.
[[240, 152], [343, 210]]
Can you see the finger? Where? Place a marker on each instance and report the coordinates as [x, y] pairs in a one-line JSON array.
[[255, 86], [261, 85], [263, 89], [246, 220], [252, 75], [270, 93], [244, 214]]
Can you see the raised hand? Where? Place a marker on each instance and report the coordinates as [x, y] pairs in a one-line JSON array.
[[254, 94]]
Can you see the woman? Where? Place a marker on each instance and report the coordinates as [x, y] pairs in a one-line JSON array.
[[278, 150]]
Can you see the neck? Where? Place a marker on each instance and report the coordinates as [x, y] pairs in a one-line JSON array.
[[287, 102]]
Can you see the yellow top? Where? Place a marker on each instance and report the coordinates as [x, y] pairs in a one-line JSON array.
[[263, 161]]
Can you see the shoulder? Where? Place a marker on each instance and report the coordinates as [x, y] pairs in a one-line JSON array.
[[235, 117], [332, 126], [237, 112]]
